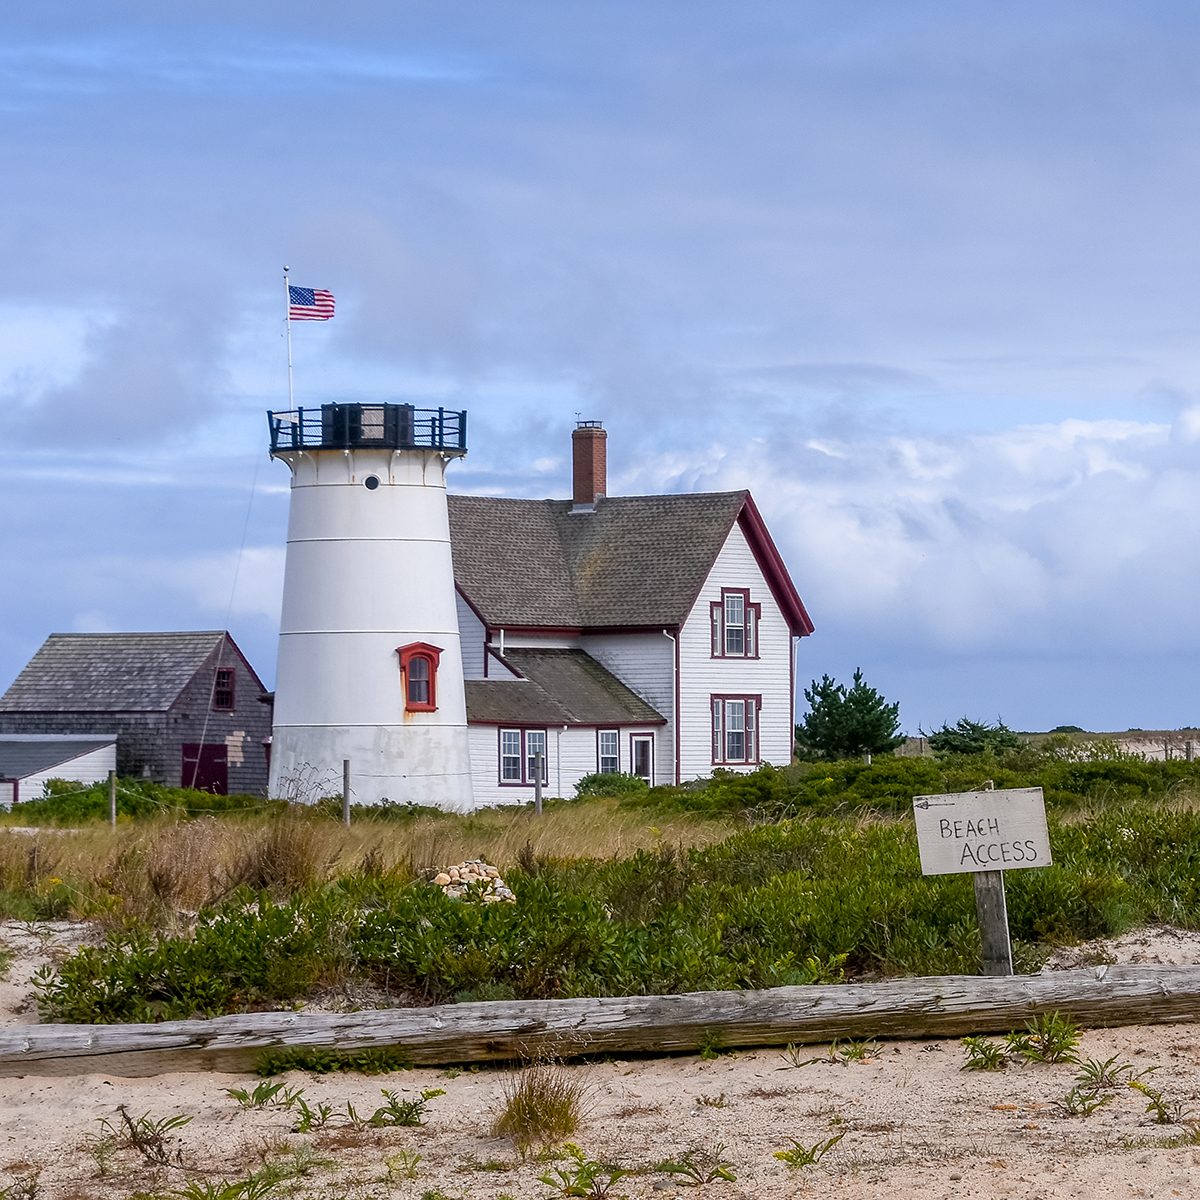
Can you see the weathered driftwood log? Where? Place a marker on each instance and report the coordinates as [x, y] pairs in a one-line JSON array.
[[941, 1006]]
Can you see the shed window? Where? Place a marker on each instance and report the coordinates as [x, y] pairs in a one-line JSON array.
[[222, 700]]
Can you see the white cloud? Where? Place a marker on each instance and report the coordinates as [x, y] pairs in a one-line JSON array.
[[1063, 538]]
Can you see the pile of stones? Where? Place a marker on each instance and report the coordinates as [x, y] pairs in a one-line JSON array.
[[474, 878]]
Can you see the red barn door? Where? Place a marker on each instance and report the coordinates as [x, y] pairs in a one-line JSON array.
[[206, 768]]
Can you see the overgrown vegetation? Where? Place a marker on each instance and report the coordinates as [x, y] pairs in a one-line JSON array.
[[209, 915]]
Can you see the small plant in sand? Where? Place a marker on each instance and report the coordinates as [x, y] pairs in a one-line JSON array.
[[799, 1155], [399, 1166], [712, 1045], [1050, 1038], [1110, 1074], [583, 1176], [397, 1111], [849, 1051], [1164, 1111], [250, 1188], [150, 1136], [794, 1056], [543, 1102], [312, 1117], [23, 1187], [1082, 1101], [265, 1093], [698, 1166], [984, 1055]]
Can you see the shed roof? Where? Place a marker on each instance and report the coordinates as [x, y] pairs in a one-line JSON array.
[[560, 687], [112, 672], [22, 755]]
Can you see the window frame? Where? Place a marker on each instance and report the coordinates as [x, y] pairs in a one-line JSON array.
[[430, 656], [614, 757], [721, 627], [224, 693], [524, 757], [750, 722]]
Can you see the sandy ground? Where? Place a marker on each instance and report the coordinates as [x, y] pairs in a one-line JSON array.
[[914, 1124]]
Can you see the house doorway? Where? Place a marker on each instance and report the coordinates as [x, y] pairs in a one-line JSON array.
[[641, 756], [206, 768]]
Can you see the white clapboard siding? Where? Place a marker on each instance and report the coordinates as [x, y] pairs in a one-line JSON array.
[[701, 676], [471, 638], [644, 663], [83, 769], [570, 755]]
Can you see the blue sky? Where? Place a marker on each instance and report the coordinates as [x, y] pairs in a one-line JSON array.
[[924, 276]]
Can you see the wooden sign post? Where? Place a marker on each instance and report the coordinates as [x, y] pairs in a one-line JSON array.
[[985, 833]]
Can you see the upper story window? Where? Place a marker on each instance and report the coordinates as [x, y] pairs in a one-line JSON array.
[[418, 676], [735, 729], [608, 751], [734, 624], [223, 693]]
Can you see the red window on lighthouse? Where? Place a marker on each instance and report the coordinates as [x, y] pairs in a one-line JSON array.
[[418, 676]]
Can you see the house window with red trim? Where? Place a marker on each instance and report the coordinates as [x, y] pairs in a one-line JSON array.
[[418, 676], [223, 696], [734, 624], [735, 729], [608, 751], [519, 749]]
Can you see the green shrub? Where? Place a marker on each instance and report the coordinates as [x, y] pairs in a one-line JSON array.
[[66, 803], [610, 783]]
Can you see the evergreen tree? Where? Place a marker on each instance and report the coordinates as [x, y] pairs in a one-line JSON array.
[[973, 737], [846, 722]]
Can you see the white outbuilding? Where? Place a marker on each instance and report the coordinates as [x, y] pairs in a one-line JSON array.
[[28, 760]]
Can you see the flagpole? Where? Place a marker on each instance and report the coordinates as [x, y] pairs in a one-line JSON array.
[[287, 316]]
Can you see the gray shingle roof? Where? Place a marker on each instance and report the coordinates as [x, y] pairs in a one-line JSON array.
[[22, 755], [634, 561], [109, 672], [561, 687]]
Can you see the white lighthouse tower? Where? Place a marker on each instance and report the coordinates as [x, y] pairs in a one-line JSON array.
[[370, 667]]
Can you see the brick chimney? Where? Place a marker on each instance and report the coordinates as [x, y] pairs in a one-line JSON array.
[[589, 456]]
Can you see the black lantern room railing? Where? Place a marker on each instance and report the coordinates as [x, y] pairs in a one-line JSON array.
[[377, 426]]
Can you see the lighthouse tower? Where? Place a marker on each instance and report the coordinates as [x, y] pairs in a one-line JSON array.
[[370, 667]]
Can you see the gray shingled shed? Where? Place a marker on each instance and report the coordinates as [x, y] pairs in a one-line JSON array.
[[187, 708]]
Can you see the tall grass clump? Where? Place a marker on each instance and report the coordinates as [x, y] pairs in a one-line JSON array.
[[544, 1102]]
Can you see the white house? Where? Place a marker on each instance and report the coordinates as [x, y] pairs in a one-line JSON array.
[[28, 760], [653, 635]]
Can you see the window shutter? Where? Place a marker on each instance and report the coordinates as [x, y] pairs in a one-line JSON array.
[[751, 730], [751, 632], [717, 732], [715, 611]]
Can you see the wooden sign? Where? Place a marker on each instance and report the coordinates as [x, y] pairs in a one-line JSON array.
[[1001, 830]]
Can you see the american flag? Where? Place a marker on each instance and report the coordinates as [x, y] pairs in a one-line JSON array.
[[309, 304]]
